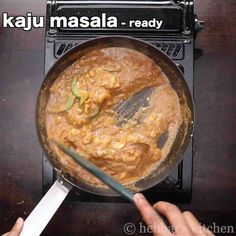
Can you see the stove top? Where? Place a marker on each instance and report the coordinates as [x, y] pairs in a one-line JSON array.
[[175, 38]]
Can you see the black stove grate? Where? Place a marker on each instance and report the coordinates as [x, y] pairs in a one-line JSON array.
[[177, 187], [172, 49]]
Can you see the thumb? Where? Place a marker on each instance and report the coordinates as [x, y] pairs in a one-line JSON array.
[[15, 231]]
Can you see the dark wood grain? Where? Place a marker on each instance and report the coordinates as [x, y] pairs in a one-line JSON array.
[[22, 59], [215, 99]]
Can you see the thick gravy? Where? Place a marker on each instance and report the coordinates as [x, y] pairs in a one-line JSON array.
[[80, 113]]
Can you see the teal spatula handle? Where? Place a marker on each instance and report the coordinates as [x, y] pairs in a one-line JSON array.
[[97, 172]]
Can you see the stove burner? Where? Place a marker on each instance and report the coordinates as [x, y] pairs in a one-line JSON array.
[[177, 44]]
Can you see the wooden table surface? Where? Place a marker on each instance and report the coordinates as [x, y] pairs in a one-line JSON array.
[[214, 183]]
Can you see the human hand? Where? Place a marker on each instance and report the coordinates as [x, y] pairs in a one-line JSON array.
[[15, 231], [183, 223]]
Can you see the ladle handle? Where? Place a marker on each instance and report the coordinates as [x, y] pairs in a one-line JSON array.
[[46, 208]]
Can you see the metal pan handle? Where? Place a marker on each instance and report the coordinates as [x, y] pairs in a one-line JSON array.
[[46, 208]]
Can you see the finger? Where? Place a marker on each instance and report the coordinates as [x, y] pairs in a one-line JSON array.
[[15, 231], [150, 216], [175, 217], [6, 234], [195, 226], [193, 223]]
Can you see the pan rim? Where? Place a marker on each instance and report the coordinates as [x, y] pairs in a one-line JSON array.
[[147, 44]]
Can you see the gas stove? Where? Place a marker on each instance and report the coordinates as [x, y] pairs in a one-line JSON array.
[[171, 26]]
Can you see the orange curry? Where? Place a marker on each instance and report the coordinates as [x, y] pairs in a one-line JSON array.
[[80, 113]]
